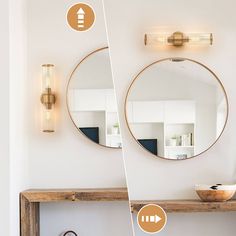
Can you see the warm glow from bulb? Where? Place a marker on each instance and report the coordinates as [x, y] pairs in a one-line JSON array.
[[48, 115], [156, 39], [161, 39], [47, 79]]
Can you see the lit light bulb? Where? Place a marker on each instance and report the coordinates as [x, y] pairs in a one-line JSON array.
[[48, 115], [47, 80]]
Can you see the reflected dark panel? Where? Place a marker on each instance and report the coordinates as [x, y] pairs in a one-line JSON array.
[[150, 145], [92, 133]]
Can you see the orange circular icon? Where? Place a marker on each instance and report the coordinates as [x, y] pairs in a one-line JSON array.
[[81, 17], [151, 218]]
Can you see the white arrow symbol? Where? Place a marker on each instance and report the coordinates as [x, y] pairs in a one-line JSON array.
[[80, 14], [157, 219], [151, 219]]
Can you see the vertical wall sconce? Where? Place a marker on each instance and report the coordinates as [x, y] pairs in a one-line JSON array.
[[178, 39], [48, 98]]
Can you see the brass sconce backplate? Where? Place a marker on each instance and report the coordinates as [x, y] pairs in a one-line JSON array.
[[177, 39], [48, 99]]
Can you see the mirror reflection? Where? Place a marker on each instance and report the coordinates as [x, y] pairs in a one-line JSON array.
[[176, 108], [91, 100]]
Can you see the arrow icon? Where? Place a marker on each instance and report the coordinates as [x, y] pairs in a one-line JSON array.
[[80, 17], [80, 11], [151, 219]]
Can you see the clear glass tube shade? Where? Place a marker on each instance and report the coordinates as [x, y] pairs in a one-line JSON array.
[[206, 39], [156, 39], [48, 120], [48, 77], [48, 116]]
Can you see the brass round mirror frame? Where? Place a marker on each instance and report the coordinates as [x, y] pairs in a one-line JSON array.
[[176, 59], [67, 102]]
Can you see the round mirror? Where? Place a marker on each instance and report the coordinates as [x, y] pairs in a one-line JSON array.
[[176, 108], [91, 99]]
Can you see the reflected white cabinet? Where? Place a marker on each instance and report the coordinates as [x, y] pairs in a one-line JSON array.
[[175, 118], [150, 111], [178, 112], [174, 111]]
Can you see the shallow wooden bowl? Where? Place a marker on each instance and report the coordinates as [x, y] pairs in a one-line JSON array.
[[215, 193]]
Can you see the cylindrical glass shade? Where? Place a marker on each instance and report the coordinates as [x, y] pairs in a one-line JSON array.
[[48, 98], [48, 120], [47, 76], [162, 39], [206, 39], [156, 39]]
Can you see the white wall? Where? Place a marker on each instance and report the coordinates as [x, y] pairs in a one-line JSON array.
[[13, 168], [93, 218], [4, 124], [150, 178], [19, 175], [189, 224], [66, 159], [66, 151]]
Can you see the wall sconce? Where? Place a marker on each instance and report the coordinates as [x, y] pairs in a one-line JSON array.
[[178, 39], [48, 98]]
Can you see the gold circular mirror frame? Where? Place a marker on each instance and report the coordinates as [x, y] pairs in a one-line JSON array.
[[67, 89], [176, 59]]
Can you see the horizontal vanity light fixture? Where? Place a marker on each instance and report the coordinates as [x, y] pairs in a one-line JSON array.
[[178, 39], [48, 98]]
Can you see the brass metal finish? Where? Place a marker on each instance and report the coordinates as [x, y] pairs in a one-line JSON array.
[[211, 38], [48, 131], [145, 39], [47, 65], [178, 39], [48, 99], [175, 59], [67, 90]]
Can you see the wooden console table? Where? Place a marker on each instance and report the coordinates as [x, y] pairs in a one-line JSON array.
[[30, 203]]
